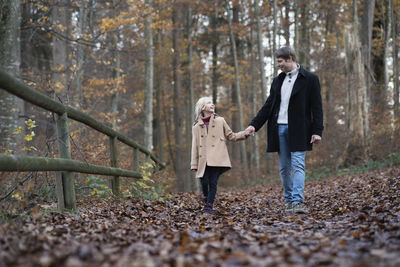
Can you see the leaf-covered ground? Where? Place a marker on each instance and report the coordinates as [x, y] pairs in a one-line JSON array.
[[352, 221]]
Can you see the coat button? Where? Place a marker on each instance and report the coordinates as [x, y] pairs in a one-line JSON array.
[[200, 156], [213, 136], [212, 145], [200, 146], [213, 126], [202, 136]]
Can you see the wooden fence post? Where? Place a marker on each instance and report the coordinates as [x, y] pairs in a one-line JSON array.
[[64, 180], [114, 163], [135, 163]]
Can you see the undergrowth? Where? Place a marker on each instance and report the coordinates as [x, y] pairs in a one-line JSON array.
[[393, 159]]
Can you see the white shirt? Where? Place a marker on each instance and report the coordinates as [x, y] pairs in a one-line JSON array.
[[286, 91]]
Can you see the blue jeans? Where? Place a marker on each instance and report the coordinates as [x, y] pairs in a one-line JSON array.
[[209, 183], [293, 185]]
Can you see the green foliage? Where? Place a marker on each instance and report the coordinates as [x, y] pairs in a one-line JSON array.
[[146, 187], [98, 187], [393, 159], [319, 173], [4, 217], [29, 125]]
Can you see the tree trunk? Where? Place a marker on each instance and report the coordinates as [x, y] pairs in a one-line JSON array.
[[191, 183], [238, 100], [304, 42], [148, 101], [355, 149], [254, 155], [80, 59], [328, 77], [214, 50], [60, 16], [158, 142], [10, 19], [296, 27], [366, 45], [286, 22], [379, 94], [395, 55], [396, 73], [260, 48], [274, 36], [116, 73], [178, 107], [366, 37]]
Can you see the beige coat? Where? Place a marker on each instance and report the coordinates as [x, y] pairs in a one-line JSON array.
[[210, 148]]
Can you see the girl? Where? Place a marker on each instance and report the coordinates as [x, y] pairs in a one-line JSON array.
[[209, 152]]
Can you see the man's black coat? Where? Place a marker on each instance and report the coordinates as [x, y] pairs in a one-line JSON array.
[[305, 116]]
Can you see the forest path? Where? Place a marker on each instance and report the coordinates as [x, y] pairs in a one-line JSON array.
[[353, 221]]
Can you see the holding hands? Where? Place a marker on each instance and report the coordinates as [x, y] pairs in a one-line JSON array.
[[315, 139], [249, 131]]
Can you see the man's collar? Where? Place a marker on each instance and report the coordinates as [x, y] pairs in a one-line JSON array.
[[294, 72]]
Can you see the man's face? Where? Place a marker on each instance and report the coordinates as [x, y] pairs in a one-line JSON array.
[[285, 65]]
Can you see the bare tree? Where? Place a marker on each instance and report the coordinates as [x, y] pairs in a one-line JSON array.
[[395, 52], [157, 132], [304, 40], [191, 183], [274, 36], [238, 100], [260, 49], [357, 94], [148, 102], [178, 107], [10, 18], [214, 49], [82, 23], [366, 42], [61, 25], [254, 155], [116, 68]]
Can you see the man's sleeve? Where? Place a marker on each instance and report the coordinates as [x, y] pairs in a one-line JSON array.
[[316, 108]]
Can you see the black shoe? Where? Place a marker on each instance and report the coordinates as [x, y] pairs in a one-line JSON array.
[[208, 208]]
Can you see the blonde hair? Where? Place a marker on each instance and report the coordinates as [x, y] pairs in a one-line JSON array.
[[199, 106]]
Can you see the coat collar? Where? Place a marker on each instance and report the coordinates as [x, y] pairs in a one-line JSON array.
[[302, 72], [200, 122], [296, 87]]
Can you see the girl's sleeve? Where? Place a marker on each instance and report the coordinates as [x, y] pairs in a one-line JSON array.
[[194, 162], [231, 136]]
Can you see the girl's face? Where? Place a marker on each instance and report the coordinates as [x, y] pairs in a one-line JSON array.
[[208, 107]]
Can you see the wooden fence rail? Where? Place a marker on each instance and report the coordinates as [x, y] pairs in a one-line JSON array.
[[64, 166]]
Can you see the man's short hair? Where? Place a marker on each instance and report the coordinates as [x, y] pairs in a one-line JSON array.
[[286, 52]]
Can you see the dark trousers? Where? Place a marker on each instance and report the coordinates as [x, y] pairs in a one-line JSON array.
[[209, 183]]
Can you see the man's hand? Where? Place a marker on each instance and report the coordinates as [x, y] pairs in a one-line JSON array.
[[315, 139], [250, 130], [194, 170]]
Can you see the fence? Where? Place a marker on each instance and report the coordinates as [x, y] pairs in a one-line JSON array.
[[65, 166]]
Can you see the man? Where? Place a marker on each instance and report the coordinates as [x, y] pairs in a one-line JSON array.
[[295, 122]]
